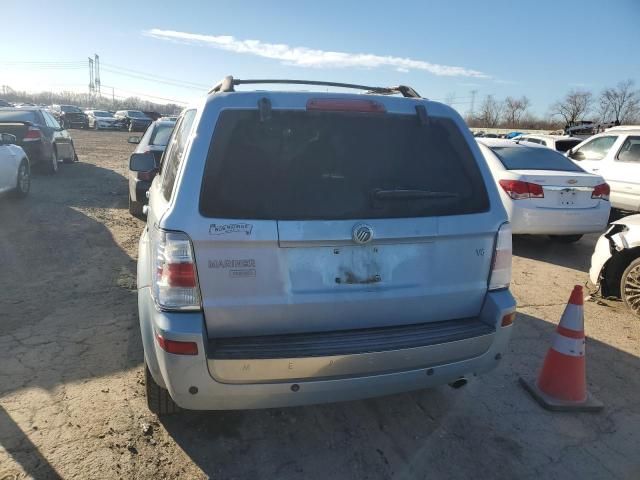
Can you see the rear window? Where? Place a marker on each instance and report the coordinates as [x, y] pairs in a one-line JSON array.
[[18, 116], [532, 158], [301, 165], [161, 134], [564, 145], [70, 109]]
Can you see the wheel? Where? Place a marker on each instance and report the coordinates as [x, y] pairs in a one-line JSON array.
[[51, 168], [630, 286], [158, 399], [23, 184], [565, 238], [135, 208]]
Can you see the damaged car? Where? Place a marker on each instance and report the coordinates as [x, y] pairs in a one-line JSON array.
[[615, 264]]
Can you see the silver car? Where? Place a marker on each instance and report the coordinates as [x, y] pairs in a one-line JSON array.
[[306, 247]]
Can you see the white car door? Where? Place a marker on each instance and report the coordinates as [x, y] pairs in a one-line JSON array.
[[591, 154], [8, 170], [623, 174]]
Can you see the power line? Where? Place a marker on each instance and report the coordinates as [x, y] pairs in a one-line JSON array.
[[154, 77]]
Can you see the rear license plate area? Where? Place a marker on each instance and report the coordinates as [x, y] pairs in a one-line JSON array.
[[567, 197]]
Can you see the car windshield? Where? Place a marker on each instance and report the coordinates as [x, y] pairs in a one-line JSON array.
[[70, 109], [161, 134], [334, 165], [564, 145], [533, 158], [100, 113], [17, 116], [136, 114]]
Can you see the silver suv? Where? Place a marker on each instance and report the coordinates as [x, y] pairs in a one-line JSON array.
[[306, 247]]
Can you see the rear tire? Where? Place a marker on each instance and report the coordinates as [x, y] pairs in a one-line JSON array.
[[135, 209], [565, 238], [23, 184], [51, 168], [158, 399], [630, 287]]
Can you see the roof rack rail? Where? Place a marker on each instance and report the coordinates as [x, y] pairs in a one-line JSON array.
[[228, 82]]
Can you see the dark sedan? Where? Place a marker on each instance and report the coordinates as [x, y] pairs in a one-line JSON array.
[[155, 141], [40, 136], [134, 120], [70, 116]]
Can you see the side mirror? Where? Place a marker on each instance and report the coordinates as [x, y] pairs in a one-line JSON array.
[[7, 139], [142, 162], [134, 139], [577, 155]]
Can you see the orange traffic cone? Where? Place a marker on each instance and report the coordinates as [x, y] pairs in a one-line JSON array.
[[562, 383]]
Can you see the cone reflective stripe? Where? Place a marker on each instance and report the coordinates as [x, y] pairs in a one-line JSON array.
[[562, 383]]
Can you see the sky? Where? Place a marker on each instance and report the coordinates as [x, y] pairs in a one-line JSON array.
[[166, 51]]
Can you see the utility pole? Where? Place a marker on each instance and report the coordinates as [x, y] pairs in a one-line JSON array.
[[91, 83], [97, 72], [113, 97]]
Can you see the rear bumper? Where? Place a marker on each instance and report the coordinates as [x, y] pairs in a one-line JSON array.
[[557, 221], [431, 366], [35, 151]]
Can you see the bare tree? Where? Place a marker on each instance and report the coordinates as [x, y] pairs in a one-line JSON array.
[[514, 109], [490, 112], [621, 104], [574, 106]]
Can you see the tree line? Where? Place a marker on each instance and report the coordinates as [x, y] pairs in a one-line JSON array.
[[89, 101], [618, 105]]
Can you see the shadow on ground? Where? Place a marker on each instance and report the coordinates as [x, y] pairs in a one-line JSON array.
[[576, 256], [438, 433]]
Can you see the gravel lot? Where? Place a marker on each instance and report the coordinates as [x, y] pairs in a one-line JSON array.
[[72, 394]]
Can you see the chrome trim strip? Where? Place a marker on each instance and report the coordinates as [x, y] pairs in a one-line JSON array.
[[559, 188], [289, 369]]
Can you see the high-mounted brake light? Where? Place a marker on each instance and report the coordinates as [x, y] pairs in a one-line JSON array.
[[176, 280], [345, 105], [33, 134], [501, 264], [519, 190], [601, 191]]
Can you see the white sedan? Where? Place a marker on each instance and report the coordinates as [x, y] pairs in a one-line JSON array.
[[15, 171], [544, 192]]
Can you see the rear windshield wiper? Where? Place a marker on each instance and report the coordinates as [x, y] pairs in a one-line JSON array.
[[410, 194]]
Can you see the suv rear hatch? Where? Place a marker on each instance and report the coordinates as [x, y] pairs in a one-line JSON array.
[[339, 217]]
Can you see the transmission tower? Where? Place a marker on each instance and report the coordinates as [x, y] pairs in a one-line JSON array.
[[473, 102], [97, 73], [92, 86]]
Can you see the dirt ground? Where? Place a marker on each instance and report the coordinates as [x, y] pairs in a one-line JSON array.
[[72, 391]]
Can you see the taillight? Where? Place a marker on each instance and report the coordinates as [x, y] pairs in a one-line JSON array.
[[33, 134], [176, 281], [501, 264], [345, 105], [176, 347], [508, 319], [519, 190], [601, 191]]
